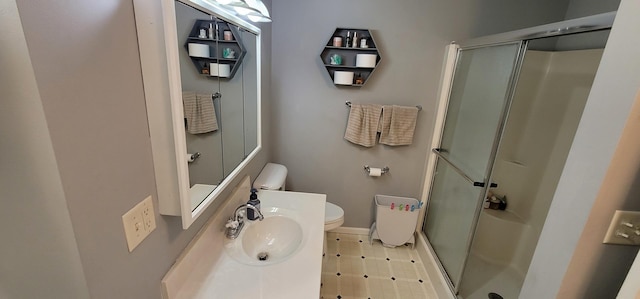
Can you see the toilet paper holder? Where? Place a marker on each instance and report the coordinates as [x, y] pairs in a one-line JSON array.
[[384, 169]]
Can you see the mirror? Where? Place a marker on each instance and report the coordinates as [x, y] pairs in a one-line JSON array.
[[217, 150], [203, 99]]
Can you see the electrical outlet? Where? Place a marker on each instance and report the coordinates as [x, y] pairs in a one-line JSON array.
[[139, 222], [624, 229], [149, 219]]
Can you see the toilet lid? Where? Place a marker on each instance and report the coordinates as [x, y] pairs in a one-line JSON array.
[[332, 213]]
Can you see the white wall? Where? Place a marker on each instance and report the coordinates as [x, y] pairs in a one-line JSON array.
[[40, 258], [605, 114], [630, 288]]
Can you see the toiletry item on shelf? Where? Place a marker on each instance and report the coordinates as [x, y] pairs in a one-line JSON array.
[[205, 69], [337, 41], [347, 43], [393, 204], [227, 35], [335, 59], [219, 69], [503, 203], [495, 203], [343, 77], [413, 207], [406, 208], [217, 34], [363, 42], [401, 207], [198, 50], [203, 33], [210, 30], [354, 42], [254, 201], [228, 53], [359, 79]]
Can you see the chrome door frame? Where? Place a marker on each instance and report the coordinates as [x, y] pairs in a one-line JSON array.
[[487, 176]]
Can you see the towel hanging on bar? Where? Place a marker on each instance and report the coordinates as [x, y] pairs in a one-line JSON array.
[[398, 125], [362, 126], [199, 112]]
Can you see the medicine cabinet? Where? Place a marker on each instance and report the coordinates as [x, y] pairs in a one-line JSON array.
[[165, 28]]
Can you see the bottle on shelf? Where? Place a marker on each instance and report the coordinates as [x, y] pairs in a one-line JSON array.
[[347, 43], [363, 42], [354, 43]]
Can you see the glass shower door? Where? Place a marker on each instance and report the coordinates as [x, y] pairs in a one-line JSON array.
[[478, 102]]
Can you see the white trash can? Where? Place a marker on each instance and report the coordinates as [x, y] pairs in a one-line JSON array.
[[394, 227]]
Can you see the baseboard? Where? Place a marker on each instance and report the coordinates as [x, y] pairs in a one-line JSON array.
[[438, 281], [351, 230]]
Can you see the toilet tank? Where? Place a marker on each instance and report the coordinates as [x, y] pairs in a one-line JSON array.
[[272, 177]]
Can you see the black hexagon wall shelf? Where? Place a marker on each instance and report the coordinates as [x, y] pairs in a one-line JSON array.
[[219, 47], [350, 56]]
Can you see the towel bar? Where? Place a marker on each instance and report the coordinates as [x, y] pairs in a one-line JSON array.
[[348, 103]]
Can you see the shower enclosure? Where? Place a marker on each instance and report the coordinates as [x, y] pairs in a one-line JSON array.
[[514, 106]]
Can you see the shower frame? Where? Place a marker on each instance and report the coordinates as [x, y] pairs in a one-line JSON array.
[[523, 36]]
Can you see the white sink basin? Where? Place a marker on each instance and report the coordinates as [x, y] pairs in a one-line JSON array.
[[272, 240]]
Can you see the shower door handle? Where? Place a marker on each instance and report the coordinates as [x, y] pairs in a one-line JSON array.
[[438, 153], [481, 184]]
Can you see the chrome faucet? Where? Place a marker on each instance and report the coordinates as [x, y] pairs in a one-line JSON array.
[[236, 223]]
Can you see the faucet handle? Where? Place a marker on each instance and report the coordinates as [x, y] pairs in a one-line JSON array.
[[232, 224]]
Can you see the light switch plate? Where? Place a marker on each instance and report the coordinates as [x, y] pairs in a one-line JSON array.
[[624, 228], [139, 222]]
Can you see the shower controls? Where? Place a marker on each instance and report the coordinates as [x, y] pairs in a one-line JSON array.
[[624, 229]]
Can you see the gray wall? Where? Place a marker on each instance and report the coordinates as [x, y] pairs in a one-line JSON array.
[[33, 211], [309, 114], [87, 67], [583, 8]]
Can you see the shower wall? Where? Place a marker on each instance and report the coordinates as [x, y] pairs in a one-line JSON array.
[[550, 97]]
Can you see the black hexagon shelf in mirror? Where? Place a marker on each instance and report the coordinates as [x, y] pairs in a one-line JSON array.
[[350, 56], [215, 48]]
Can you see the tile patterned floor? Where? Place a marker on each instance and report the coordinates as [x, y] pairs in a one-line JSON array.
[[354, 269]]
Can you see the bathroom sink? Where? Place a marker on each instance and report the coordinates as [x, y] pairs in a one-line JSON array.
[[272, 240]]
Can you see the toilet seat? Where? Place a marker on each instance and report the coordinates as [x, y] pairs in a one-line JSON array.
[[333, 216]]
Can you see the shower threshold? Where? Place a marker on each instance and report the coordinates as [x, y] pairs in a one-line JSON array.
[[504, 280]]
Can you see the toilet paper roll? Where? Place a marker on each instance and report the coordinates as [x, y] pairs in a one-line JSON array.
[[343, 78], [366, 60], [375, 171], [219, 69], [198, 50]]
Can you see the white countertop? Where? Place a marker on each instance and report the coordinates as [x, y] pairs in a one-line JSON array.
[[220, 276]]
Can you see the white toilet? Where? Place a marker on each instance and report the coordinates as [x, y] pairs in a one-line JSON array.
[[273, 176]]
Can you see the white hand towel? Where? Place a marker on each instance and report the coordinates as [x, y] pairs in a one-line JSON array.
[[200, 113], [362, 126], [398, 125]]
